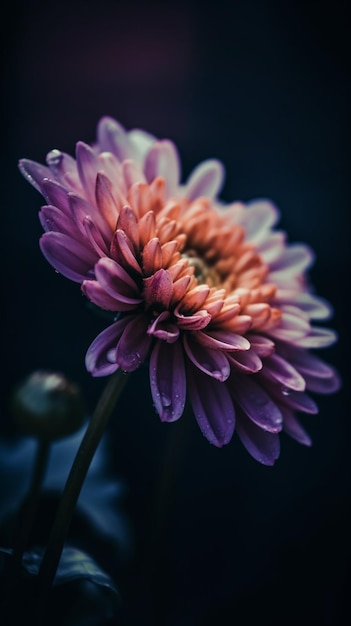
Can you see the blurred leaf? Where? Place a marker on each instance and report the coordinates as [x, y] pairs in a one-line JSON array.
[[82, 594]]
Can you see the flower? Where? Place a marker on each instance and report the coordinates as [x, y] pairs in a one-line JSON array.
[[210, 294]]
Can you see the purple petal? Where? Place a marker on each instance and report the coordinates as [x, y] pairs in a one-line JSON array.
[[295, 259], [324, 385], [293, 428], [213, 407], [161, 328], [163, 160], [112, 137], [56, 195], [195, 322], [96, 294], [318, 338], [263, 446], [223, 340], [168, 380], [53, 219], [68, 256], [34, 173], [247, 361], [205, 180], [80, 209], [134, 343], [117, 282], [277, 369], [212, 362], [100, 359], [256, 403], [87, 165], [64, 169]]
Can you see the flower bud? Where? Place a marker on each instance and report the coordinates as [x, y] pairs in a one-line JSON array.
[[48, 406]]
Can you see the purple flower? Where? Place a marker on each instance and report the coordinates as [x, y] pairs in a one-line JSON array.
[[211, 294]]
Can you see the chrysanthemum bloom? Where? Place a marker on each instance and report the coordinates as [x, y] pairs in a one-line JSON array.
[[209, 294]]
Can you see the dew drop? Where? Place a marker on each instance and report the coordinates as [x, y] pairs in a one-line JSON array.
[[54, 158], [286, 391], [166, 400]]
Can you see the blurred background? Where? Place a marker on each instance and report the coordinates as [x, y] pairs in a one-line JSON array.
[[264, 87]]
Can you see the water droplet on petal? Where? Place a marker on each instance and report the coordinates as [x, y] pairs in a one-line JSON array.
[[286, 391], [166, 400], [54, 158]]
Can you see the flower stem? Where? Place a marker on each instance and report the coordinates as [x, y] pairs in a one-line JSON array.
[[75, 480], [29, 509], [27, 517]]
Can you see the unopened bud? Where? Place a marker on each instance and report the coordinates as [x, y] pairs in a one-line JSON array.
[[48, 406]]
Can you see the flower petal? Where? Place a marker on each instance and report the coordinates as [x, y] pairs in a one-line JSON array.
[[293, 428], [134, 343], [100, 359], [163, 160], [158, 289], [262, 445], [212, 362], [256, 403], [279, 370], [205, 180], [34, 172], [213, 407], [68, 256], [117, 282], [167, 380]]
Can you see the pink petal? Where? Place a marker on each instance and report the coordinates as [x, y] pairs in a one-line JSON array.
[[105, 201], [152, 256], [256, 403], [123, 251], [127, 222], [212, 362], [213, 407], [167, 380], [158, 289], [263, 446], [205, 180], [134, 343]]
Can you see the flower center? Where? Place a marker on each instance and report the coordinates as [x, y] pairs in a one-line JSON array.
[[205, 273]]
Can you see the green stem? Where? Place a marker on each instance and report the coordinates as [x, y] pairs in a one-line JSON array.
[[30, 506], [26, 520], [75, 480]]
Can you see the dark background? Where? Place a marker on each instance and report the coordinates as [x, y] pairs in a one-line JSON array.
[[265, 87]]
